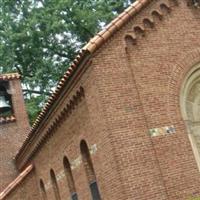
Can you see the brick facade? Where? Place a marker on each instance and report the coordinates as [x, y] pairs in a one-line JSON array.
[[118, 120], [12, 134], [26, 189]]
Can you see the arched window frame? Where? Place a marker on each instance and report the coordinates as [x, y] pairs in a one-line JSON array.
[[43, 191], [70, 179], [55, 185], [89, 170], [192, 78]]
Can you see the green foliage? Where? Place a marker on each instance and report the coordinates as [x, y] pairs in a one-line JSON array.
[[39, 38], [33, 106]]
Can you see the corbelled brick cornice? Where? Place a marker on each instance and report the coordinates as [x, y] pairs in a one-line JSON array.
[[35, 143], [158, 13], [93, 45]]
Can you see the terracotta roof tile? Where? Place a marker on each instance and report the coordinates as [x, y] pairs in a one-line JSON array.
[[7, 119], [16, 182], [115, 25], [93, 45], [9, 76]]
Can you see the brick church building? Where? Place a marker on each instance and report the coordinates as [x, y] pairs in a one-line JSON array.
[[124, 121]]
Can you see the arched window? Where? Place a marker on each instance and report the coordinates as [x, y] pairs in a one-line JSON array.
[[43, 191], [55, 185], [70, 179], [89, 171], [190, 105]]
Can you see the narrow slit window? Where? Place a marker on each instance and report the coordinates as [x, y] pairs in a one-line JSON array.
[[43, 191], [95, 190], [90, 173], [74, 196], [55, 185], [70, 179]]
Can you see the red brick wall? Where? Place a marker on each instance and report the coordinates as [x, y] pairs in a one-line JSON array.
[[12, 135], [169, 51], [26, 190], [80, 125], [130, 89], [144, 91]]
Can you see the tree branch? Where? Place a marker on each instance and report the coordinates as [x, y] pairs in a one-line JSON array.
[[61, 54], [36, 92], [19, 70]]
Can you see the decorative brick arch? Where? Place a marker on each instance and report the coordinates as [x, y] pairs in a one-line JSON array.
[[179, 72], [184, 91]]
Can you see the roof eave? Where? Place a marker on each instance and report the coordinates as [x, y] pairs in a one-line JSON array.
[[91, 47]]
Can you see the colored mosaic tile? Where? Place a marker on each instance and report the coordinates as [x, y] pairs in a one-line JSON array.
[[162, 131], [93, 149]]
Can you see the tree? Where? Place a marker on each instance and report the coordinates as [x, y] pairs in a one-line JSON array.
[[39, 38]]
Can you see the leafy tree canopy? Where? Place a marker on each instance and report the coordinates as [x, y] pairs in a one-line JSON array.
[[39, 38]]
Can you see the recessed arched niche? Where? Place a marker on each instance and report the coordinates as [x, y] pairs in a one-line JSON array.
[[190, 107]]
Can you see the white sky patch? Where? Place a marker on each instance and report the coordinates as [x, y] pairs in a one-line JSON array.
[[39, 5], [102, 25]]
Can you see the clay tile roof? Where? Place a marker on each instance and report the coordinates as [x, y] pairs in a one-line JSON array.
[[7, 119], [9, 76], [16, 182], [115, 25], [93, 45]]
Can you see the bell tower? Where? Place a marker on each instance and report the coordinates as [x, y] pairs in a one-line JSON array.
[[14, 125], [5, 100]]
